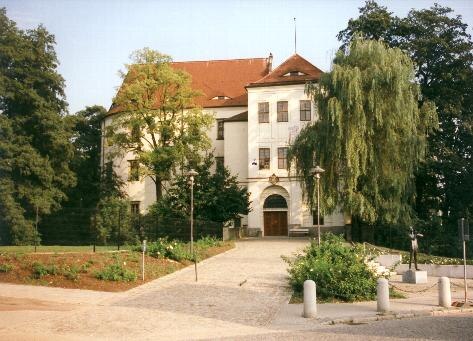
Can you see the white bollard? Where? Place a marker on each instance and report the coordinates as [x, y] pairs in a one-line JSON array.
[[383, 295], [445, 297], [310, 304]]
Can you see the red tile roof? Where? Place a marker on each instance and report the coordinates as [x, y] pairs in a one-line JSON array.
[[241, 117], [224, 78], [281, 75]]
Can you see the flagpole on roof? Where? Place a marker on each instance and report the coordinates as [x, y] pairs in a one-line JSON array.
[[295, 36]]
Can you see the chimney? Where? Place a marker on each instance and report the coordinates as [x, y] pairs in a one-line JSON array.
[[270, 62]]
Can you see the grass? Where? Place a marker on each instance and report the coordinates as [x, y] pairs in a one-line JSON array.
[[60, 248]]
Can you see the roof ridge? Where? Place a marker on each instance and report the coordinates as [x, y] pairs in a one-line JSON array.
[[218, 60]]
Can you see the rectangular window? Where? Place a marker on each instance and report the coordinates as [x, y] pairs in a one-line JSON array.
[[305, 110], [134, 172], [135, 207], [264, 159], [314, 218], [219, 161], [219, 129], [263, 112], [282, 111], [282, 158]]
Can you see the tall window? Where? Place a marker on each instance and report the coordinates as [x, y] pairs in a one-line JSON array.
[[305, 110], [135, 207], [282, 158], [264, 159], [219, 161], [282, 111], [134, 172], [219, 129], [263, 112]]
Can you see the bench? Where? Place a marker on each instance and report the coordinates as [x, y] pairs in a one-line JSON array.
[[296, 229]]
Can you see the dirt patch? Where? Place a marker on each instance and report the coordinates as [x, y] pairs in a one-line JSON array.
[[11, 304], [77, 270]]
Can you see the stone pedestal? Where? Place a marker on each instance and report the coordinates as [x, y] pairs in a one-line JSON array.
[[416, 277]]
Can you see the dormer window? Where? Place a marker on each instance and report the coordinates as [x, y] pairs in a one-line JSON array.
[[295, 73], [221, 97]]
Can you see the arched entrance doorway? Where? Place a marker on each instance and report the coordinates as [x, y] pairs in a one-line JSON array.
[[275, 215]]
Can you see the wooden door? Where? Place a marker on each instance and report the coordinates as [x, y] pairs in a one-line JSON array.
[[275, 223]]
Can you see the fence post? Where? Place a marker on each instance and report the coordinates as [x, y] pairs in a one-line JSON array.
[[310, 303], [383, 295], [445, 297]]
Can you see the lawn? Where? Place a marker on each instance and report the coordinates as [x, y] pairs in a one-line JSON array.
[[80, 268]]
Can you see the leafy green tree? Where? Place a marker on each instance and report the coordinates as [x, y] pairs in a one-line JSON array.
[[156, 118], [87, 141], [217, 195], [94, 186], [375, 22], [370, 136], [441, 48], [35, 146]]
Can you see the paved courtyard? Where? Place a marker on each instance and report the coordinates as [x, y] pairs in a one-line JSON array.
[[238, 293]]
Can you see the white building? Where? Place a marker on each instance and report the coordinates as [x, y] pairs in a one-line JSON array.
[[258, 111]]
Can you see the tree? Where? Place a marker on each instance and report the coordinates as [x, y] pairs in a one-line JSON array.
[[35, 146], [94, 187], [375, 22], [87, 141], [156, 118], [217, 196], [370, 136], [438, 43]]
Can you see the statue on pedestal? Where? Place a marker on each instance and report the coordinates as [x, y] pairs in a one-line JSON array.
[[414, 246]]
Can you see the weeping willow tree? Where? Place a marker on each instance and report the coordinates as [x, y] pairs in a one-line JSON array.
[[370, 136]]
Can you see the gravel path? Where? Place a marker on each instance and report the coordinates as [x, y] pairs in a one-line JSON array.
[[238, 293]]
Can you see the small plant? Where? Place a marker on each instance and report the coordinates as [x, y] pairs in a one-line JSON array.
[[6, 267], [71, 272], [206, 242], [40, 270], [116, 272]]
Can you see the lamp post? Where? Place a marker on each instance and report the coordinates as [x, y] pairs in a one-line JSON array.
[[316, 173], [191, 174]]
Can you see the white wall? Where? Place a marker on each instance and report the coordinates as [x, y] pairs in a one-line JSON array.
[[274, 135], [235, 151], [144, 190], [218, 145]]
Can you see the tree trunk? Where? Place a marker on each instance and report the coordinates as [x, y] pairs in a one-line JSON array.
[[159, 188]]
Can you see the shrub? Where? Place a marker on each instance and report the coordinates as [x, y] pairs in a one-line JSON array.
[[207, 241], [72, 272], [116, 272], [6, 267], [40, 270], [164, 248], [112, 211], [338, 270]]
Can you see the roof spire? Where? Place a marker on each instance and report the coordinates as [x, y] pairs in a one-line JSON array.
[[295, 36]]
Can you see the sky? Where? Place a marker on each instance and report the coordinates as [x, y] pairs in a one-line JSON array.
[[96, 37]]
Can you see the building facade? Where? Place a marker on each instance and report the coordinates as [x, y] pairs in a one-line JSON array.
[[259, 111]]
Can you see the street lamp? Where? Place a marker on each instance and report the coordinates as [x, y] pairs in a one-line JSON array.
[[316, 173], [191, 174]]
